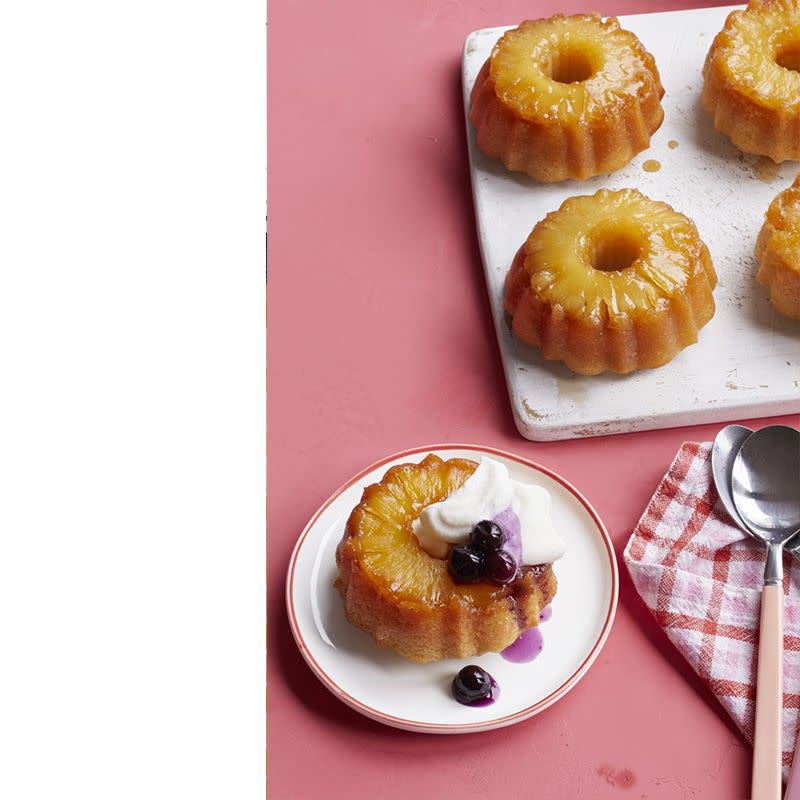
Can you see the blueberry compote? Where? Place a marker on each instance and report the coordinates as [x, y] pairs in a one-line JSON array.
[[474, 686]]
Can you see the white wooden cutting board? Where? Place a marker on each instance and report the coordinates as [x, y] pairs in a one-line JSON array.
[[747, 361]]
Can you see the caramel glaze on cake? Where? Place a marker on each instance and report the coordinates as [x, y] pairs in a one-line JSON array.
[[404, 598]]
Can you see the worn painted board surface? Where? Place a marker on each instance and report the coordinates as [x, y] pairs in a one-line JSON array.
[[747, 360]]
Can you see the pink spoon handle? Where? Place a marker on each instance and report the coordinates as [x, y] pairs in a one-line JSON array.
[[769, 698]]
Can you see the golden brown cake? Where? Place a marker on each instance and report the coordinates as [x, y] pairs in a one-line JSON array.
[[406, 599], [778, 251], [566, 97], [752, 79], [612, 281]]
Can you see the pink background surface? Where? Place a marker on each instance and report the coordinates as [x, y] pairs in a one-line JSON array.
[[380, 339]]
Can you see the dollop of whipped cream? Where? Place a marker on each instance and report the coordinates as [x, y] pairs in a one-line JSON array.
[[521, 510]]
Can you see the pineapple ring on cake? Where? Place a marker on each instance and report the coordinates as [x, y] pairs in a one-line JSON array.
[[567, 97], [405, 598], [612, 281], [778, 251], [752, 79]]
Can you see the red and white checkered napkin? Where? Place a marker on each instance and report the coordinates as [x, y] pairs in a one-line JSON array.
[[701, 577]]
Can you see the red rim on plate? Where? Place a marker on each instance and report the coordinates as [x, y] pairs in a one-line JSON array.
[[472, 727]]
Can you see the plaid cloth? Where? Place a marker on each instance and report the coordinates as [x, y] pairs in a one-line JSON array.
[[701, 578]]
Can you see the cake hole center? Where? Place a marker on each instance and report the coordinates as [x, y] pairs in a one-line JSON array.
[[614, 251], [570, 65], [788, 56]]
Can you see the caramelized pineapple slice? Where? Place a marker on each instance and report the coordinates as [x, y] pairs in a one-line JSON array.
[[569, 68], [386, 547], [752, 79]]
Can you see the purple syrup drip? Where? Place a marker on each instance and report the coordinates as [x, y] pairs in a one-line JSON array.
[[526, 648], [494, 693], [509, 522], [530, 642]]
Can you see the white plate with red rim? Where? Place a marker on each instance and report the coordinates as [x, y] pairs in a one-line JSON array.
[[384, 686]]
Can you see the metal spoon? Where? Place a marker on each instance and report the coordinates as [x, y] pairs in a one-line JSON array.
[[766, 493], [726, 447]]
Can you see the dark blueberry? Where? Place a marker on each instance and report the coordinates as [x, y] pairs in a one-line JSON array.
[[471, 685], [487, 536], [465, 563], [500, 567]]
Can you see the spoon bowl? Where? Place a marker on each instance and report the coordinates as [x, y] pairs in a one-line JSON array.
[[727, 444], [765, 483]]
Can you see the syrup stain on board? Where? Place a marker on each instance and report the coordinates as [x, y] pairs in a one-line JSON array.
[[765, 169], [672, 144], [651, 165], [573, 389]]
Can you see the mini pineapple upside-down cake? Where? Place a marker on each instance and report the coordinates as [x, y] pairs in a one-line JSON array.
[[778, 251], [752, 79], [448, 559], [612, 281], [566, 97]]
